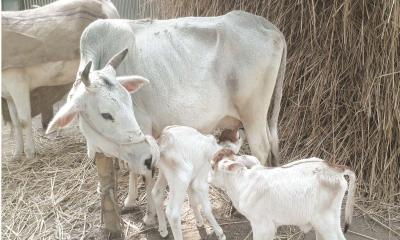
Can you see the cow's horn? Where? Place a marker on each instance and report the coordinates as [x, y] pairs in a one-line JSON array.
[[85, 74], [117, 59]]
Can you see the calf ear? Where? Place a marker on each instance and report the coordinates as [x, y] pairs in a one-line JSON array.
[[63, 117], [133, 83], [233, 167]]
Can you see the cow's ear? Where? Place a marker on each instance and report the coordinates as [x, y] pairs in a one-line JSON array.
[[133, 83], [64, 116]]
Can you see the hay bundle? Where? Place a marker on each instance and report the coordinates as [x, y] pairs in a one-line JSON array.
[[342, 86]]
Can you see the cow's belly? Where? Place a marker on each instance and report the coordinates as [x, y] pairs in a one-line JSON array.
[[205, 116], [47, 74], [53, 73]]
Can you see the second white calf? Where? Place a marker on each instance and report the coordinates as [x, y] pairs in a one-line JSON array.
[[307, 193]]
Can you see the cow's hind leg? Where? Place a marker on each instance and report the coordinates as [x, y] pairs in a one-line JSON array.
[[256, 128], [47, 115], [19, 141]]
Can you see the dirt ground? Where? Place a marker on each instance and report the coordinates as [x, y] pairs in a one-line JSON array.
[[54, 197]]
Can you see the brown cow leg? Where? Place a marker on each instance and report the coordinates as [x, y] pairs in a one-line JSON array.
[[47, 115], [108, 185]]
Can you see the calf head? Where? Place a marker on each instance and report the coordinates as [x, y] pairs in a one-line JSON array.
[[232, 139], [223, 163], [106, 117]]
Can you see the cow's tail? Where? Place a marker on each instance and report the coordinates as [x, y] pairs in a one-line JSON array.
[[276, 98], [348, 212]]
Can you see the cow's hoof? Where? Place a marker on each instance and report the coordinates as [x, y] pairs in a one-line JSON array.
[[163, 232], [149, 220], [30, 154], [16, 156]]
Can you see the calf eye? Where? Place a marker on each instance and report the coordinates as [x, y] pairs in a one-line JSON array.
[[107, 116]]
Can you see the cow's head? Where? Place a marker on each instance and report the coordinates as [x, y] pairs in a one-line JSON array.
[[106, 117]]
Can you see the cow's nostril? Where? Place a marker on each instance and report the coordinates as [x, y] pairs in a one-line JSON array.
[[147, 163]]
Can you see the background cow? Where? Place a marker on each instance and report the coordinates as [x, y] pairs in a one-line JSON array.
[[40, 47]]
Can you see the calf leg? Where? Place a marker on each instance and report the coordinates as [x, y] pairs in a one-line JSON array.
[[177, 197], [194, 205], [130, 200], [327, 228], [19, 141], [201, 193], [318, 236], [263, 230], [158, 196]]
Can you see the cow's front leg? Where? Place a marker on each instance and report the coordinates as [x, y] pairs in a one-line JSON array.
[[130, 200], [150, 217], [109, 207], [20, 95], [19, 141]]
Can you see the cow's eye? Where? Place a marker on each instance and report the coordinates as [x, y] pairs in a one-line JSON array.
[[107, 116]]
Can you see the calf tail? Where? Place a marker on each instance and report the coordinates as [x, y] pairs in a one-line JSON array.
[[348, 213]]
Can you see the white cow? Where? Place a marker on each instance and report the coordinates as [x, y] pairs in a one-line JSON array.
[[205, 72], [40, 47], [307, 193]]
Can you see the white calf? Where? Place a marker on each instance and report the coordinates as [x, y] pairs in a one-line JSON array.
[[185, 156], [306, 193]]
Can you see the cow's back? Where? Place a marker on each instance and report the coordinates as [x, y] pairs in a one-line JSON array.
[[50, 33], [196, 64]]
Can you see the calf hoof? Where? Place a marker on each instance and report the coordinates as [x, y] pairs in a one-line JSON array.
[[163, 232], [222, 237], [125, 210], [130, 202], [98, 189], [149, 220], [200, 223]]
